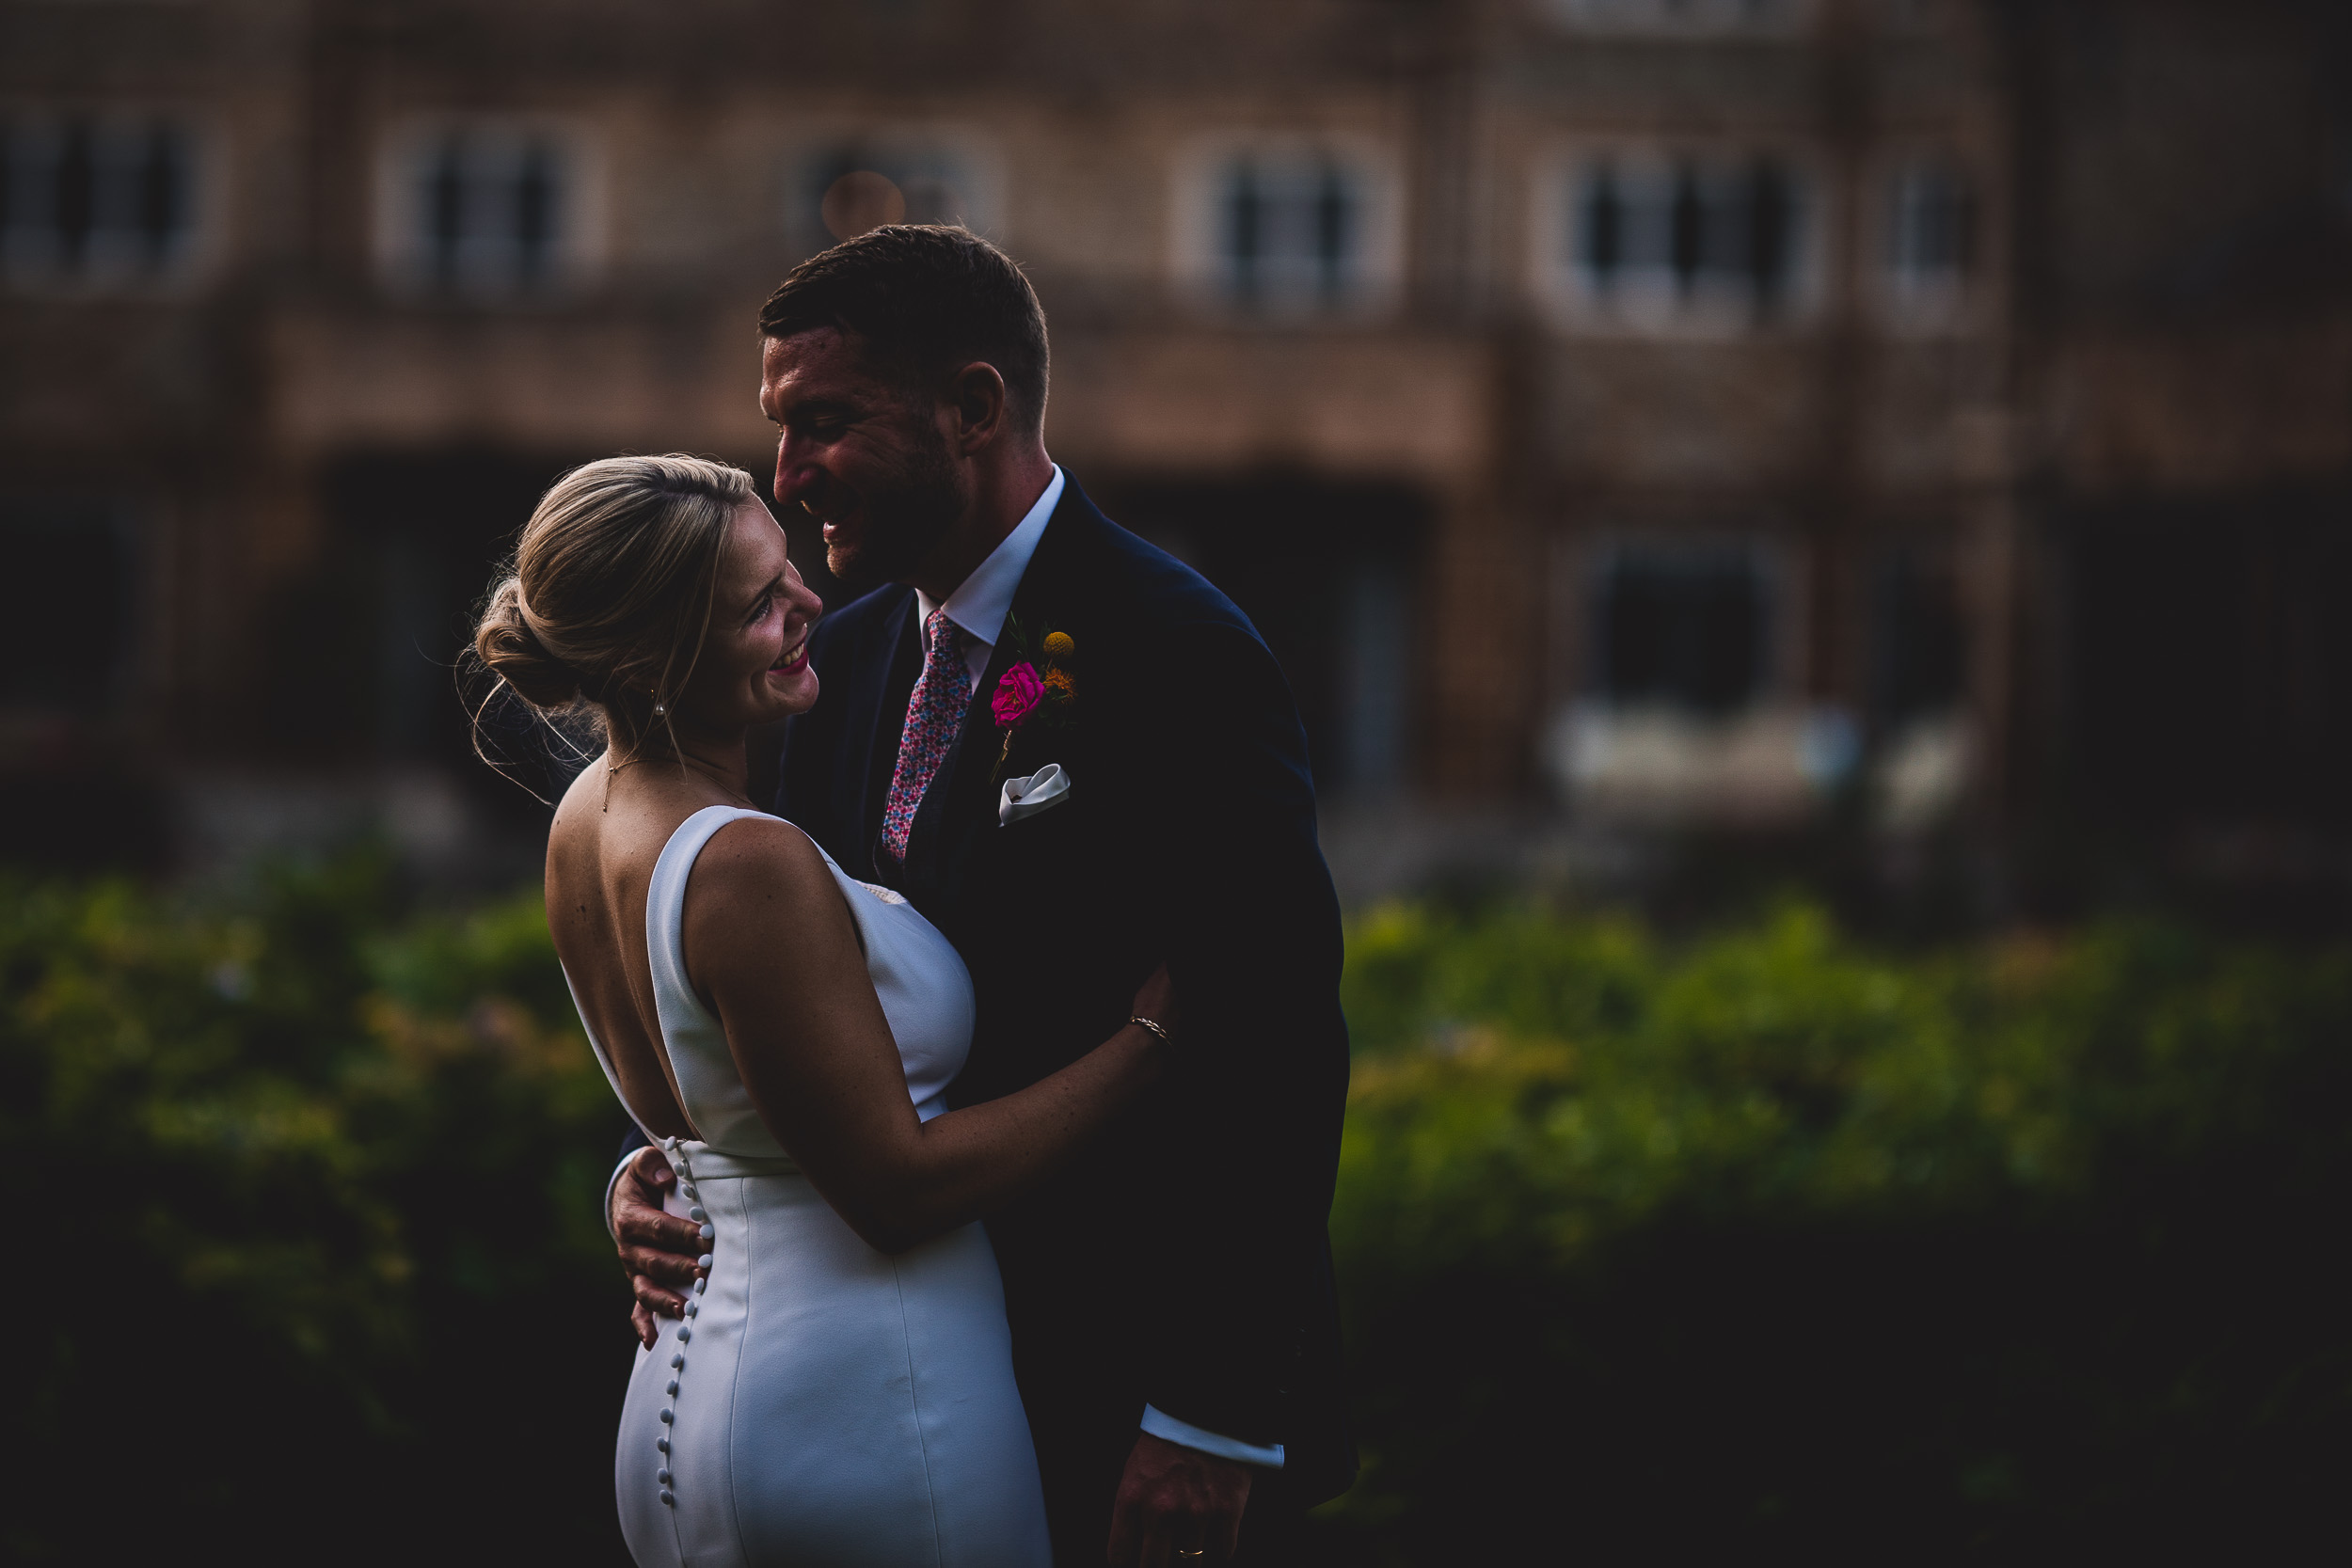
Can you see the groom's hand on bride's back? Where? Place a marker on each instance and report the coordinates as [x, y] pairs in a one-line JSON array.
[[1176, 1506], [659, 1250]]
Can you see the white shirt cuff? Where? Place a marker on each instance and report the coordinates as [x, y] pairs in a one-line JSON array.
[[1169, 1429]]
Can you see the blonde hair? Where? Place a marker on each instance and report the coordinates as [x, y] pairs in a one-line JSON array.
[[608, 599]]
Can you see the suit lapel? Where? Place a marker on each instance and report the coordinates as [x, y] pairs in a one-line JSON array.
[[962, 803]]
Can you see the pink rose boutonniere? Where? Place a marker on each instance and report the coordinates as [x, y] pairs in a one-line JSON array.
[[1016, 694], [1025, 695]]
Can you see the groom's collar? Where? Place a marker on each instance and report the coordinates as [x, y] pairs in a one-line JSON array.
[[982, 600]]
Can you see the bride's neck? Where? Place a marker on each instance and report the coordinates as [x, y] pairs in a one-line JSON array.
[[721, 760]]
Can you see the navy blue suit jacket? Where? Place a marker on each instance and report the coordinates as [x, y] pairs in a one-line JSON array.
[[1184, 1261]]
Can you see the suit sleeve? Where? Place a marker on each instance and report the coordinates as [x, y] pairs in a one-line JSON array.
[[1259, 1081]]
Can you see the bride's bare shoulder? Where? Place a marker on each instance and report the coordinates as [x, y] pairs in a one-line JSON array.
[[754, 864], [758, 879], [576, 809]]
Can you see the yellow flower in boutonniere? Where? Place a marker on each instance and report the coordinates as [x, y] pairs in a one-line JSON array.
[[1059, 644], [1059, 687]]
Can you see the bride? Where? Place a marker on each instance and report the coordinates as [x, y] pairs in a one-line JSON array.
[[840, 1391]]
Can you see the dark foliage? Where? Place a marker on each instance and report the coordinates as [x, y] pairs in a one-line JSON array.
[[323, 1278], [1770, 1248], [1759, 1246]]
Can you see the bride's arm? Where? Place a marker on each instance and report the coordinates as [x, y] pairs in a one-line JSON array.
[[771, 945]]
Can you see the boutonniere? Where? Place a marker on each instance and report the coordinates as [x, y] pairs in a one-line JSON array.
[[1040, 689]]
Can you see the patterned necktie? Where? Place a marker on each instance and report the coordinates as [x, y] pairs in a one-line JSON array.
[[934, 714]]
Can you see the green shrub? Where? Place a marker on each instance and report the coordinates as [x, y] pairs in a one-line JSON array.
[[1771, 1242], [319, 1194], [1763, 1245]]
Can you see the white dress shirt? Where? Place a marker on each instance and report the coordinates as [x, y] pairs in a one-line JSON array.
[[977, 608], [981, 601]]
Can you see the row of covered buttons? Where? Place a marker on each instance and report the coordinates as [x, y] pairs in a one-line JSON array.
[[693, 1309]]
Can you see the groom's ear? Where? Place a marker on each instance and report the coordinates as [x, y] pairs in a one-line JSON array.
[[976, 394]]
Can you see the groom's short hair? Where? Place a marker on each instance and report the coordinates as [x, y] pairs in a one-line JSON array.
[[930, 298]]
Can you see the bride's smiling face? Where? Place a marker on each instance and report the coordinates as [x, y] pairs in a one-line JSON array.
[[753, 666]]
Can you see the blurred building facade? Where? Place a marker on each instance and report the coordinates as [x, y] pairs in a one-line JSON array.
[[1630, 414]]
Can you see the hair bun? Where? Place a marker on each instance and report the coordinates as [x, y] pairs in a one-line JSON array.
[[514, 653], [607, 603]]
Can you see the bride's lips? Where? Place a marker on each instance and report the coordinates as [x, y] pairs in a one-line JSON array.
[[794, 660]]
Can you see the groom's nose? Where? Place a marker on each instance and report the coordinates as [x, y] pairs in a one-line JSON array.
[[797, 479]]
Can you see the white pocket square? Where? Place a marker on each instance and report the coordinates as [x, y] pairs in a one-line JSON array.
[[1042, 790]]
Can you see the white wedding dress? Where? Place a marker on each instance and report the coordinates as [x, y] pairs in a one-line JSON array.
[[822, 1403]]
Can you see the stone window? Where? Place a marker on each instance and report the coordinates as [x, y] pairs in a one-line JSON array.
[[1688, 712], [1664, 241], [1682, 630], [1930, 233], [485, 210], [1291, 231], [1289, 228], [95, 199], [492, 208]]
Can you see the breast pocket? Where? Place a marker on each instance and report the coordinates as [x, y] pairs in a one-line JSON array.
[[1037, 865], [1032, 795]]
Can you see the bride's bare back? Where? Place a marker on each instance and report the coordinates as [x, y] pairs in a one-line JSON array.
[[609, 833]]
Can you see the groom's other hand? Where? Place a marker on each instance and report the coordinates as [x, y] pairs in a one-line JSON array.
[[659, 1250], [1177, 1507]]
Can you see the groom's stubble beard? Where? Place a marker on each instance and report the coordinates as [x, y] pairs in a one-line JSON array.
[[905, 516]]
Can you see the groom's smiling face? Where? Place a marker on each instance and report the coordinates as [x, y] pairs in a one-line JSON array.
[[862, 451]]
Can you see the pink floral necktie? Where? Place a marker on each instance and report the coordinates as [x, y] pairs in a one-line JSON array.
[[934, 714]]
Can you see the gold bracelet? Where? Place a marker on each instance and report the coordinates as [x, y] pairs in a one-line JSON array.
[[1166, 1039]]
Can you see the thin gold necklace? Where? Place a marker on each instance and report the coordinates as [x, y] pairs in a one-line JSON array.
[[611, 768]]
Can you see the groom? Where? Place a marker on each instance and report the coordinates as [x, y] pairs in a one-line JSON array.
[[1078, 760]]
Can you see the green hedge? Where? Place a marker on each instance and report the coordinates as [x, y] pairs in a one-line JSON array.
[[1767, 1242], [1760, 1244], [306, 1196]]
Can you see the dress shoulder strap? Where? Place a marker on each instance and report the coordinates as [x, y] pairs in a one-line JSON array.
[[711, 1092], [665, 906]]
